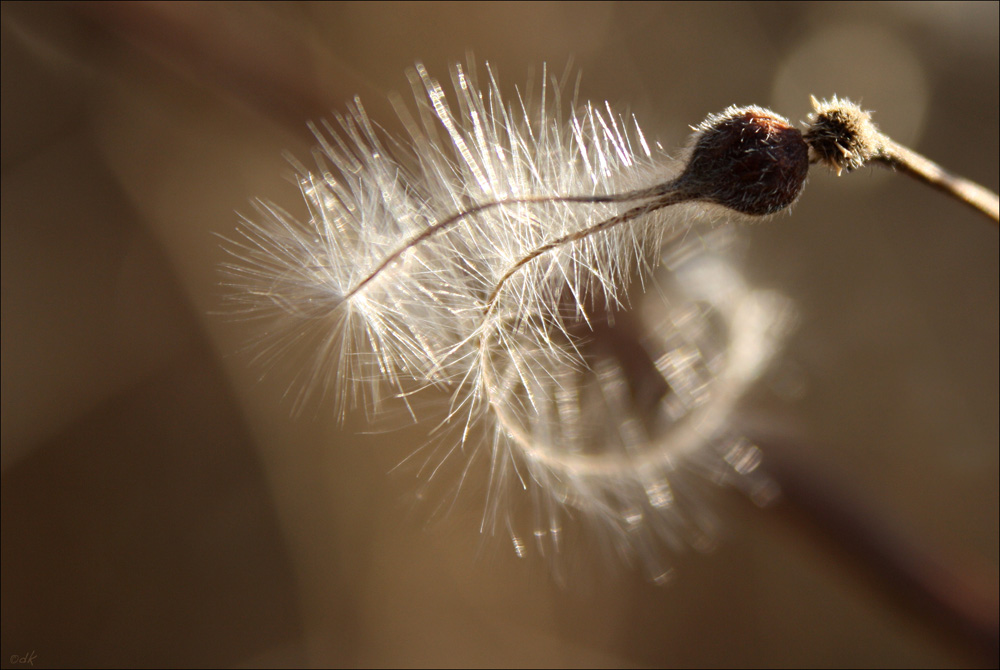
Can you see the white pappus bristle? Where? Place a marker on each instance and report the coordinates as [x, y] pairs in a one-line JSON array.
[[578, 370]]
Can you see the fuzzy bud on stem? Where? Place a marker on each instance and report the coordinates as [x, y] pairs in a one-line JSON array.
[[844, 137]]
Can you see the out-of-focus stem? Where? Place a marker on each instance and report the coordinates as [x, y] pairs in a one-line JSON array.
[[954, 593]]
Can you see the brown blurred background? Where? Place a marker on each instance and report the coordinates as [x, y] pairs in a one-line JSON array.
[[161, 505]]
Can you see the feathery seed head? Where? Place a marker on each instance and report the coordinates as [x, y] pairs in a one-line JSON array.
[[496, 253]]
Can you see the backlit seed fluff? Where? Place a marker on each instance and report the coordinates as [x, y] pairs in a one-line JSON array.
[[500, 253]]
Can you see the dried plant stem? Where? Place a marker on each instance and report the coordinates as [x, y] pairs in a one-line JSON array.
[[844, 137], [451, 221], [972, 194], [672, 198]]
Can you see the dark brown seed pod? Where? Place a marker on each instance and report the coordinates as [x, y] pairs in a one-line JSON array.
[[748, 159]]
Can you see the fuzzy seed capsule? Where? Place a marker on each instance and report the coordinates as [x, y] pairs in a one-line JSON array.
[[748, 159]]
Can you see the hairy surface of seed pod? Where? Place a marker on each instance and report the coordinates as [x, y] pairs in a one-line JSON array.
[[748, 159]]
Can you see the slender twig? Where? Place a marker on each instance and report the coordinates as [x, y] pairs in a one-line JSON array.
[[972, 194], [844, 137]]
